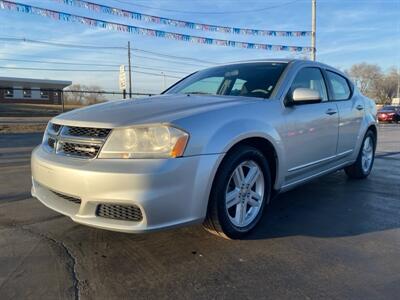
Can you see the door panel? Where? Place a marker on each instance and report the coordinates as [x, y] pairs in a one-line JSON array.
[[351, 111], [350, 119], [311, 129], [311, 137]]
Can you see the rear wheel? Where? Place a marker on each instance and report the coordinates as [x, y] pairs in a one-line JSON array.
[[240, 191], [365, 160]]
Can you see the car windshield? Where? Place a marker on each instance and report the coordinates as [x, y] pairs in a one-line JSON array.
[[247, 79]]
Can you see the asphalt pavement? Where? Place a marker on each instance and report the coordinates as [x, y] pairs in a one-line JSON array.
[[333, 238]]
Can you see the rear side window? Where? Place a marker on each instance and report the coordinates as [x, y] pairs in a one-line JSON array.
[[340, 86], [311, 78]]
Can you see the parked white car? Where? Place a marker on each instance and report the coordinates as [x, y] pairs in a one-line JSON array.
[[213, 148]]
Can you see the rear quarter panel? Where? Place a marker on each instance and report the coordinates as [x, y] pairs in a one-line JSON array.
[[369, 119]]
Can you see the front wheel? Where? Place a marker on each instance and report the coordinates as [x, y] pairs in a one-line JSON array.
[[240, 191], [365, 159]]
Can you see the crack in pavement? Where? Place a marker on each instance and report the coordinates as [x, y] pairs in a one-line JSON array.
[[76, 283]]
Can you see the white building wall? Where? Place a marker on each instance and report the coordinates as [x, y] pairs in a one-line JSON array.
[[36, 93], [18, 92]]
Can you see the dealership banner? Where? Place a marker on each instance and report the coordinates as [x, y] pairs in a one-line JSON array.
[[56, 15], [99, 8]]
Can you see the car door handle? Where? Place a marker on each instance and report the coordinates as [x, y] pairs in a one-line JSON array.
[[331, 111], [360, 107]]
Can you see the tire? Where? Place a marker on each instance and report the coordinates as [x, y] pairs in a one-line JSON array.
[[360, 170], [236, 217]]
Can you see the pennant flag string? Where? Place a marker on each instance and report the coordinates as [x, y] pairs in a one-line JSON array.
[[57, 15], [179, 23]]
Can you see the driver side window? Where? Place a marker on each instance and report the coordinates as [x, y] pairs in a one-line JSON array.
[[311, 78]]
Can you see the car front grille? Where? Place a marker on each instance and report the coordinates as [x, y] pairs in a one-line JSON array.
[[86, 132], [55, 127], [80, 142], [120, 212], [68, 198], [79, 150], [51, 142]]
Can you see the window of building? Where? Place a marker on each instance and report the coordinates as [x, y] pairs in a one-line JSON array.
[[9, 92], [44, 94], [27, 92], [340, 86]]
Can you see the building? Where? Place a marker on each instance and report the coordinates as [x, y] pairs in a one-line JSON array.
[[395, 101], [27, 90]]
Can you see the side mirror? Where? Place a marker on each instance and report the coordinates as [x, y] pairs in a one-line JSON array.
[[304, 96]]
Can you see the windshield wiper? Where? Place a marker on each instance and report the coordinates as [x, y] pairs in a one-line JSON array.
[[197, 93]]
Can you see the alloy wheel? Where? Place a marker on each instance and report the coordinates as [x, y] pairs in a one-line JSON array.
[[367, 154], [245, 193]]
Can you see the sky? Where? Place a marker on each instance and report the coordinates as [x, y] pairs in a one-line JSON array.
[[348, 32]]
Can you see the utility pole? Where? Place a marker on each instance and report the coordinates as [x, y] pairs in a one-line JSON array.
[[398, 83], [313, 28], [164, 84], [62, 101], [129, 69]]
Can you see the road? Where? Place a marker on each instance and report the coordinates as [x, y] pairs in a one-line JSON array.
[[332, 238]]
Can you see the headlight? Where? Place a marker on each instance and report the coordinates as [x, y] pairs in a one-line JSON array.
[[153, 141]]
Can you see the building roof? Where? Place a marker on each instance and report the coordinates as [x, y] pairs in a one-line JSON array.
[[31, 82]]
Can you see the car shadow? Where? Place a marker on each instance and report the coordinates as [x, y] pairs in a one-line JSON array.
[[333, 206]]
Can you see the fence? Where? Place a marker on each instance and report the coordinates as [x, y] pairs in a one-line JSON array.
[[60, 97]]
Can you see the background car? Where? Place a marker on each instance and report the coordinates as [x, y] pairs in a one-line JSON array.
[[389, 114]]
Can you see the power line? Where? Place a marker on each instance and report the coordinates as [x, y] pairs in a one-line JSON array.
[[60, 44], [207, 12], [171, 61], [101, 47], [168, 60], [68, 90], [59, 62], [92, 64], [85, 70], [155, 74], [60, 70], [162, 70], [174, 56]]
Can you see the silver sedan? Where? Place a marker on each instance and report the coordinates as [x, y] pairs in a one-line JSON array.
[[214, 148]]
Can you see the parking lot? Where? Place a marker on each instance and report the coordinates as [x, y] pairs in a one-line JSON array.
[[332, 238]]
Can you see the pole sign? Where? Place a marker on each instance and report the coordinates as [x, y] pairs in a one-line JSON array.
[[122, 78]]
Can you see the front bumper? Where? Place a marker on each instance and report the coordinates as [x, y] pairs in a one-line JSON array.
[[169, 192]]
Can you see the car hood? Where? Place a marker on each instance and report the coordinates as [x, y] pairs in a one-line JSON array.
[[163, 108]]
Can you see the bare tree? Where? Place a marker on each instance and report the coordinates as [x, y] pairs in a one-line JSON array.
[[79, 94], [365, 76], [385, 88], [74, 94], [94, 95]]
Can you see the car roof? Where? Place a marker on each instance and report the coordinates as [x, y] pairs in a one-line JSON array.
[[278, 60], [252, 61], [305, 62]]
